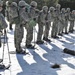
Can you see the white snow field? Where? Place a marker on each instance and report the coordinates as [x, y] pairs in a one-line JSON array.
[[40, 60]]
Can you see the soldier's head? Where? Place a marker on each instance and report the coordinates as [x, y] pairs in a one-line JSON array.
[[14, 4], [45, 9], [58, 7], [73, 12], [22, 3], [68, 9], [51, 9], [1, 4], [33, 4], [63, 10]]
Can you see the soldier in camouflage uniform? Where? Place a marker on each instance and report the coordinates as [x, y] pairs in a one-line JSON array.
[[3, 24], [72, 19], [62, 23], [67, 15], [29, 27], [42, 22], [58, 12], [18, 33], [47, 26], [56, 22]]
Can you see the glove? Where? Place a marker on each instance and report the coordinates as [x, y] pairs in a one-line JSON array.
[[4, 31]]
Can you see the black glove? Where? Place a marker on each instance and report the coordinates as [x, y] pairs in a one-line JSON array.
[[4, 31]]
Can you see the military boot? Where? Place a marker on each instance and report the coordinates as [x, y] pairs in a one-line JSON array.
[[40, 42], [29, 46], [46, 39], [20, 51]]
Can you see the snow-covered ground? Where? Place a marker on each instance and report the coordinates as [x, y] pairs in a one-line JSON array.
[[40, 60]]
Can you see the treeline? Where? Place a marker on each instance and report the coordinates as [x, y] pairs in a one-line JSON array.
[[68, 3], [64, 3]]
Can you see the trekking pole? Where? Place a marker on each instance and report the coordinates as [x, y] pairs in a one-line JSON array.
[[2, 66], [34, 36], [5, 35]]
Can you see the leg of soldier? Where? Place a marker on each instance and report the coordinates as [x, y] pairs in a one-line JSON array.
[[29, 37], [18, 35], [39, 35], [53, 29], [60, 29], [72, 25], [66, 25], [56, 31], [46, 32]]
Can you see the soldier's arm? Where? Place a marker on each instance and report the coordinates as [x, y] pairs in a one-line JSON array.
[[4, 24]]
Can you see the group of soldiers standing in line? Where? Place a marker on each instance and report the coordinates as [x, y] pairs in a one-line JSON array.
[[27, 16]]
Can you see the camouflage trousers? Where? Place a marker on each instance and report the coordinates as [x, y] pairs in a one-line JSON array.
[[18, 35], [54, 31], [47, 28], [71, 25], [40, 31], [60, 28], [66, 26], [29, 35]]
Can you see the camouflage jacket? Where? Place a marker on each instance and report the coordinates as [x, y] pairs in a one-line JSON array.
[[3, 23]]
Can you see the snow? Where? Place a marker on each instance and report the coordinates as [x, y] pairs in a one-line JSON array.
[[40, 60]]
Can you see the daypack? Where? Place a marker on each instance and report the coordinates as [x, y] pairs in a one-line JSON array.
[[32, 22]]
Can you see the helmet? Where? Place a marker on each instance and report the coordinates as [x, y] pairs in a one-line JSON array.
[[14, 4], [1, 3], [51, 9], [45, 8], [33, 3], [68, 9], [63, 10], [73, 11], [22, 3], [58, 6]]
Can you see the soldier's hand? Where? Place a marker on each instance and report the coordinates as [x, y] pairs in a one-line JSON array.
[[4, 31]]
